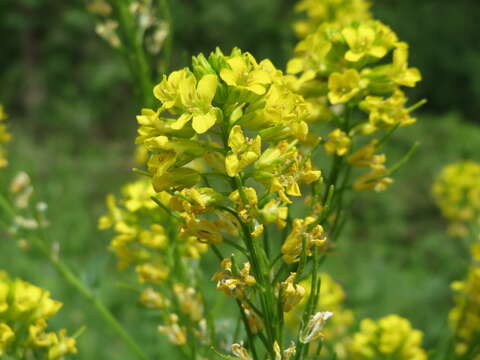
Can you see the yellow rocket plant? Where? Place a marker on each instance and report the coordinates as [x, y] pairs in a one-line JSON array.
[[233, 169]]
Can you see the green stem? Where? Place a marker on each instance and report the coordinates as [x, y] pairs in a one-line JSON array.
[[248, 330], [106, 315], [134, 52], [7, 206], [164, 7]]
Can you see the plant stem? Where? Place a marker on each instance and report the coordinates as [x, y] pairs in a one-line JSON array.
[[134, 52], [167, 15], [83, 290]]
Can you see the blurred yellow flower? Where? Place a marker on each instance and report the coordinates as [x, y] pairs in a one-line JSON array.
[[390, 337]]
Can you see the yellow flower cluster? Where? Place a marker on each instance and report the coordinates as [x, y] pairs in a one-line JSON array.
[[24, 311], [341, 63], [162, 260], [353, 67], [318, 12], [4, 138], [231, 282], [457, 193], [331, 297], [185, 317], [228, 146], [391, 337], [207, 115], [465, 315], [140, 238]]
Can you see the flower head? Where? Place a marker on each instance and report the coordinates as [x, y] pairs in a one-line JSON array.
[[24, 312], [338, 143], [344, 86], [391, 336]]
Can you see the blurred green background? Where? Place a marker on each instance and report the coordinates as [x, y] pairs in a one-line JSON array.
[[71, 109]]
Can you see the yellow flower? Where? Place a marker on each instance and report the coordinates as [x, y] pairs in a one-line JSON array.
[[66, 345], [291, 293], [190, 301], [386, 112], [247, 208], [31, 299], [167, 91], [243, 152], [281, 168], [391, 336], [175, 334], [283, 116], [274, 212], [338, 143], [137, 195], [38, 337], [344, 86], [151, 273], [204, 230], [302, 231], [234, 285], [180, 92], [456, 191], [6, 337], [24, 321], [197, 99], [403, 75], [153, 299], [244, 73], [319, 12], [376, 179], [365, 156], [362, 42]]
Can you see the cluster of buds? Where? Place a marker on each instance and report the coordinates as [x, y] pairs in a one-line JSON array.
[[24, 312]]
